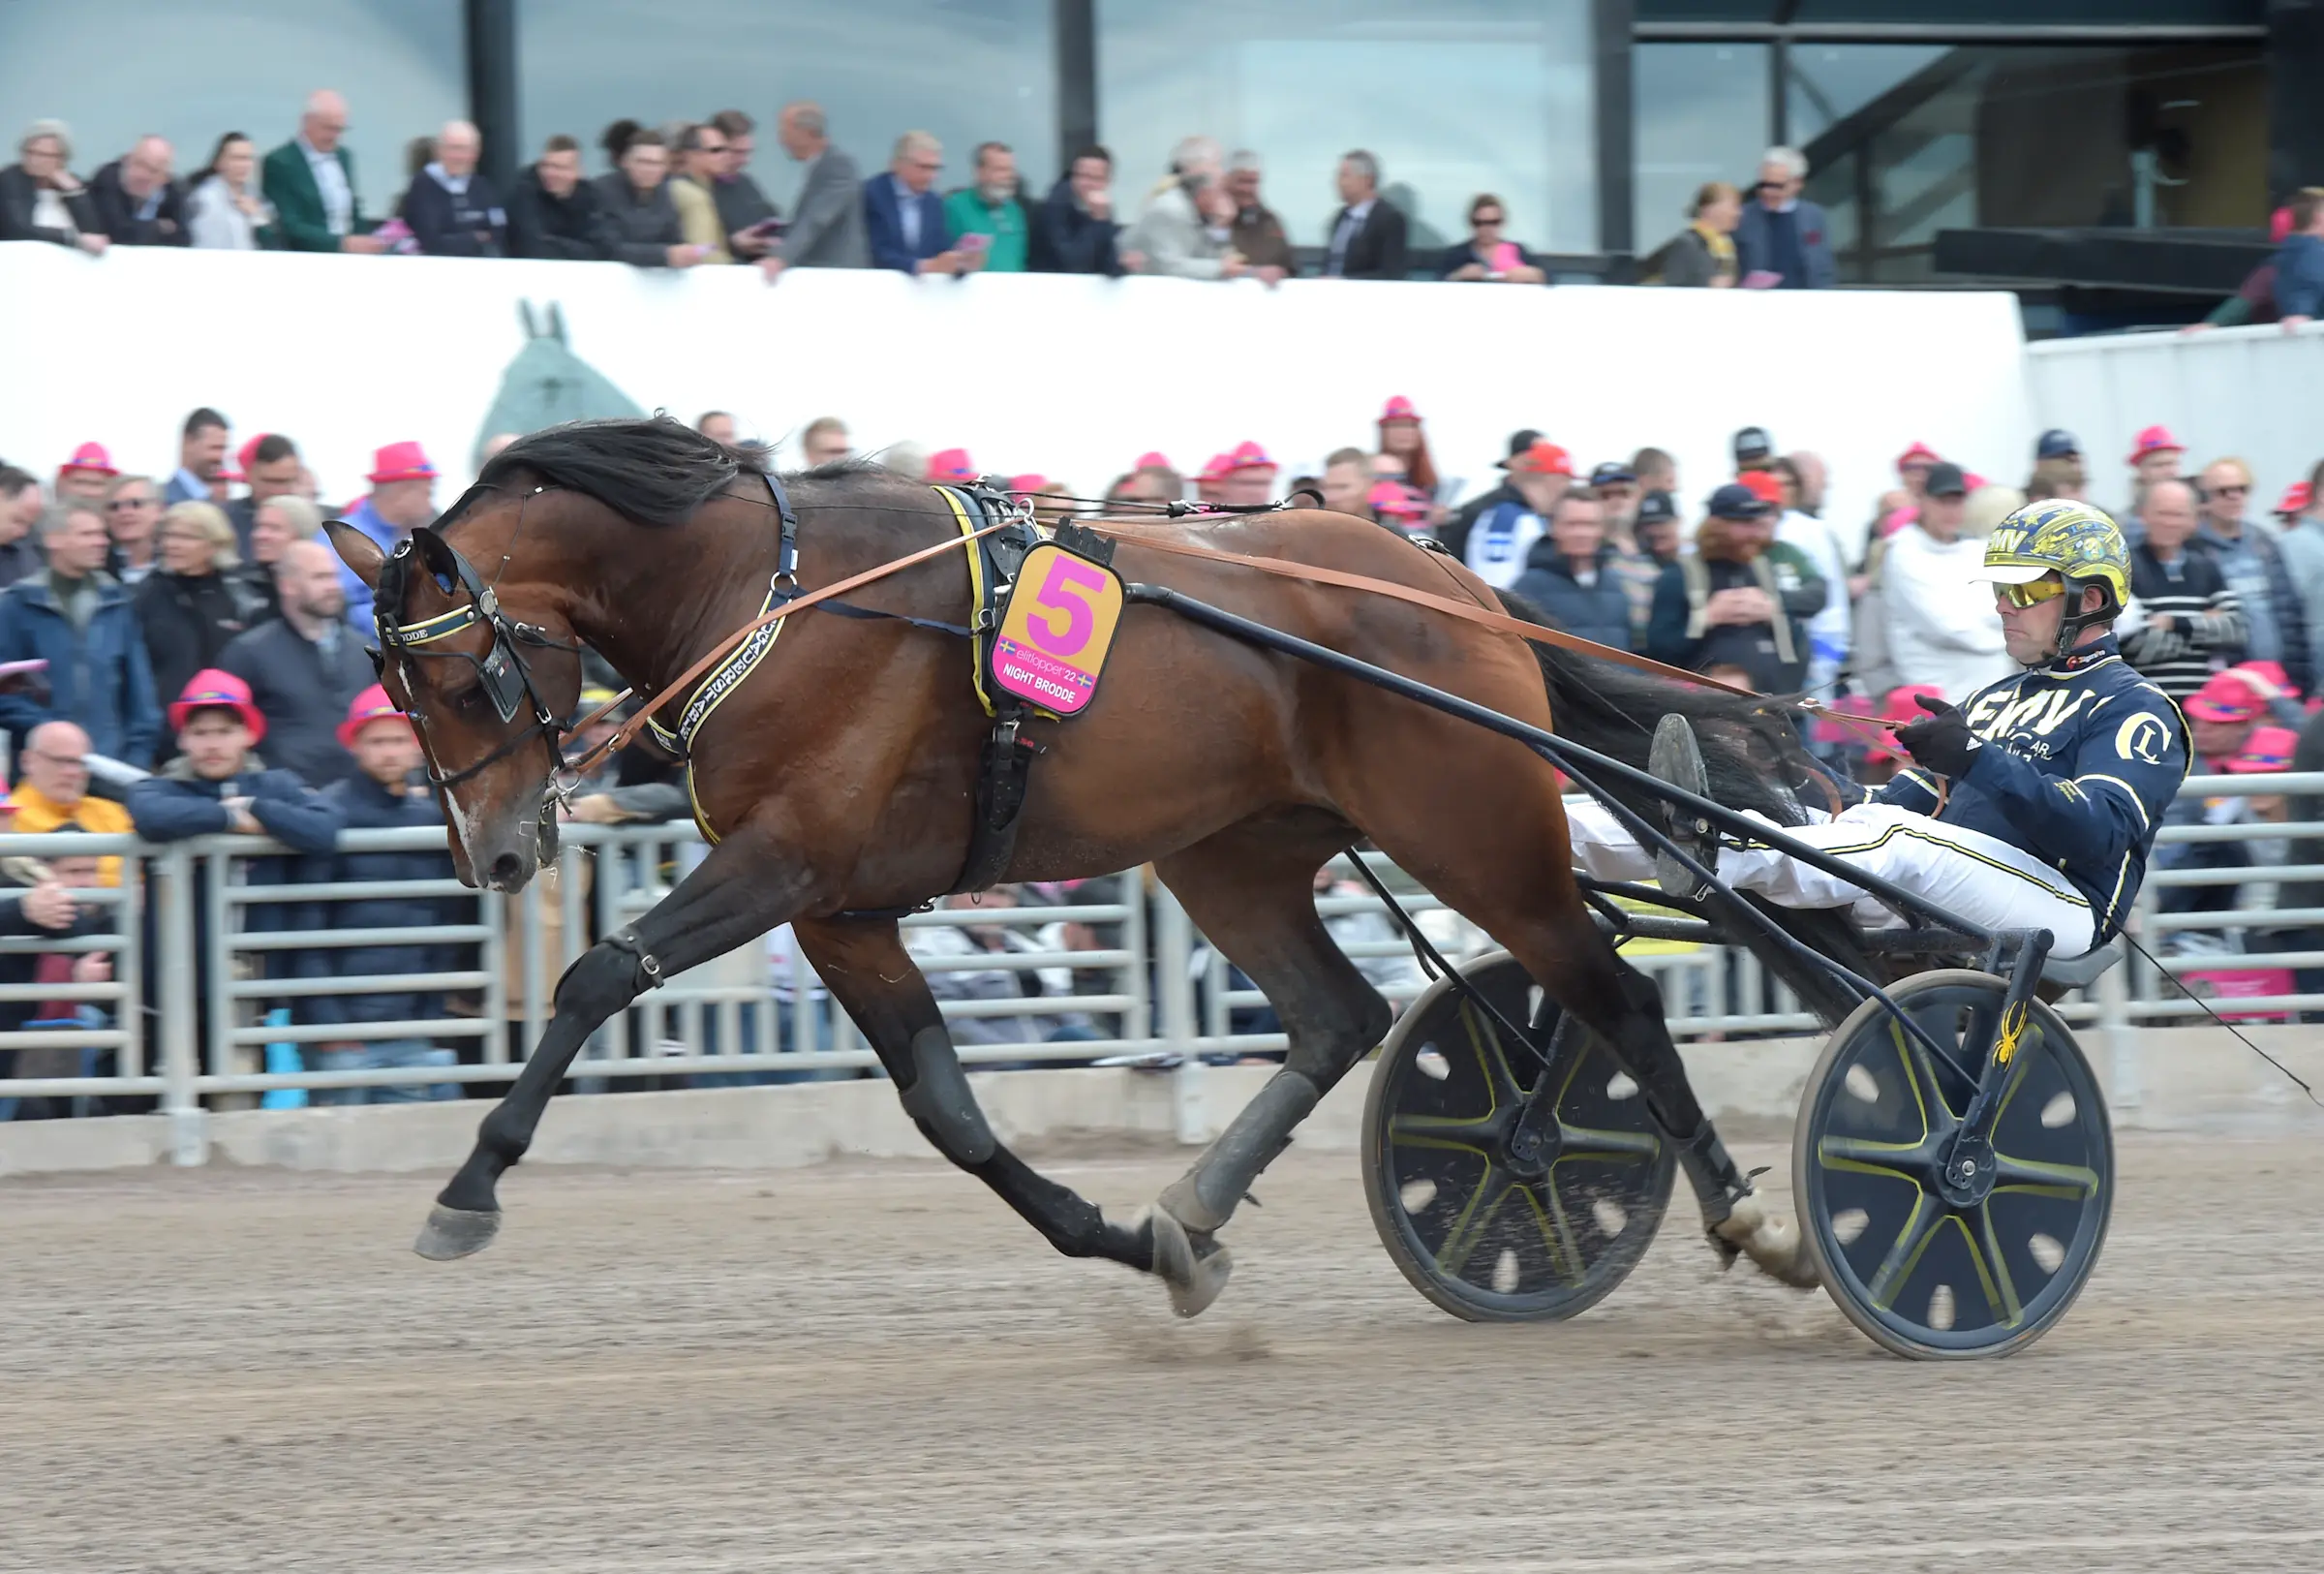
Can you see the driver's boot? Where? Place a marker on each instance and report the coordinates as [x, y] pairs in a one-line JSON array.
[[1676, 757]]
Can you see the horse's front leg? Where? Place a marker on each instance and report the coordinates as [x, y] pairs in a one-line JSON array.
[[740, 891]]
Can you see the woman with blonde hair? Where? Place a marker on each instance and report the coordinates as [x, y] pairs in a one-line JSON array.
[[1704, 256], [189, 606]]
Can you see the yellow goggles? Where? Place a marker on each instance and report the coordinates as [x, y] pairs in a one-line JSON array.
[[2046, 589]]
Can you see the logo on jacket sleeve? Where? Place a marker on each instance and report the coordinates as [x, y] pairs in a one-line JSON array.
[[2143, 737]]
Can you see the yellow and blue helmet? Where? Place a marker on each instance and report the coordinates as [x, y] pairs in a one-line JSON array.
[[2079, 543]]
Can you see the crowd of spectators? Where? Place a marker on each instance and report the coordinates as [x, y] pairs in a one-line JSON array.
[[684, 194], [193, 627]]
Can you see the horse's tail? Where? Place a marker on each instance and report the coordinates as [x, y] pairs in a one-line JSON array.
[[1749, 749], [1750, 752]]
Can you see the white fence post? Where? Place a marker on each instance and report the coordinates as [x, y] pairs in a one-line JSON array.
[[173, 971]]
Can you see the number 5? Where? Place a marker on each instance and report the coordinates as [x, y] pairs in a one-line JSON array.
[[1065, 591]]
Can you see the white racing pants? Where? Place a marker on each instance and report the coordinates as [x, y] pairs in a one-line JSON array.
[[1979, 878]]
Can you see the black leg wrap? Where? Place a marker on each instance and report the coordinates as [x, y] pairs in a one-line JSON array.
[[1206, 1195], [941, 1100], [1715, 1181]]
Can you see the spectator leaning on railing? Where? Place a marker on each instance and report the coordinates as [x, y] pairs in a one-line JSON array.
[[640, 219], [555, 213], [744, 211], [225, 210], [2299, 260], [1184, 230], [903, 217], [384, 792], [1073, 229], [304, 667], [311, 182], [991, 207], [450, 206], [77, 618], [1256, 234], [1704, 256], [138, 203], [40, 200], [1488, 256], [700, 153], [52, 792]]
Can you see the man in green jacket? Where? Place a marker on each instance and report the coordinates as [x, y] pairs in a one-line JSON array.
[[991, 207], [311, 181]]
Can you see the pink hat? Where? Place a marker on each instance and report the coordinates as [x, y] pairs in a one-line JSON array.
[[1248, 455], [1398, 408], [1542, 457], [1215, 468], [1396, 500], [1974, 482], [400, 462], [2295, 500], [371, 705], [2267, 749], [2280, 225], [2232, 695], [2153, 440], [212, 690], [951, 465], [1919, 453], [248, 453], [1031, 482], [1152, 459], [2269, 677], [91, 457]]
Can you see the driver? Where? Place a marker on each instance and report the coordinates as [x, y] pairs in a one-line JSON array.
[[2033, 806]]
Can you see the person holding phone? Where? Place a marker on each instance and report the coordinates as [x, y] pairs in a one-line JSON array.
[[1488, 255]]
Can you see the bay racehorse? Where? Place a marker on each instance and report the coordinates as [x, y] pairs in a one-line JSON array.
[[838, 782]]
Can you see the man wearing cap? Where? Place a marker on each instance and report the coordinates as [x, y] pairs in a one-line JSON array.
[[1912, 467], [2155, 455], [304, 667], [215, 784], [384, 791], [200, 456], [2222, 718], [1942, 630], [1503, 534], [2056, 444], [86, 475], [1249, 479], [2033, 806], [79, 619], [1741, 600], [1454, 533], [2275, 626], [1754, 449], [403, 498], [1656, 526]]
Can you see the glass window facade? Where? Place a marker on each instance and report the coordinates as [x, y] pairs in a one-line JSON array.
[[116, 69], [2162, 136], [968, 71], [1702, 112], [1454, 97]]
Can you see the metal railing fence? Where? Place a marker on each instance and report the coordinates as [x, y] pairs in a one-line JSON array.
[[221, 945]]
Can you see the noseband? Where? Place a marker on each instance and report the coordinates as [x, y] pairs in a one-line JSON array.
[[500, 671]]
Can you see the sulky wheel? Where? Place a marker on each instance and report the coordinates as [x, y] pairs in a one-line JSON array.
[[1927, 1266], [1492, 1223]]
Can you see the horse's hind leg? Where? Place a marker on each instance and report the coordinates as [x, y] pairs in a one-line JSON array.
[[1251, 891], [863, 962], [1505, 866]]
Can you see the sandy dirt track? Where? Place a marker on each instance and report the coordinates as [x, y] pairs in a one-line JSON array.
[[877, 1368]]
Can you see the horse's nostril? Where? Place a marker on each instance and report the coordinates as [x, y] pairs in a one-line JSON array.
[[506, 869]]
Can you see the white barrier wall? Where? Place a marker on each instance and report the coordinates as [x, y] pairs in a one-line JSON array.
[[1073, 376], [2254, 393]]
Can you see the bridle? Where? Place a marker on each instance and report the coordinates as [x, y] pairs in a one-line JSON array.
[[501, 671]]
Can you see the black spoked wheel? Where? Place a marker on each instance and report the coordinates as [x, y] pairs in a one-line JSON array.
[[1929, 1268], [1492, 1223]]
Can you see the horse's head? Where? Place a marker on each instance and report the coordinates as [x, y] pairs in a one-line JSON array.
[[488, 670]]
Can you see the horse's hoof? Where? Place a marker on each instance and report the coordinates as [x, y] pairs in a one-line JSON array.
[[1194, 1270], [1771, 1242], [456, 1232]]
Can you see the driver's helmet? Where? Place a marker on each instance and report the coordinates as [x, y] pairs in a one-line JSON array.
[[2078, 542]]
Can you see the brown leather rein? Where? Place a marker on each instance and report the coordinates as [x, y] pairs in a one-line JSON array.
[[1483, 617]]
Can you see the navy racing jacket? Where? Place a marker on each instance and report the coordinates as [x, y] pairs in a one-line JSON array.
[[2081, 757]]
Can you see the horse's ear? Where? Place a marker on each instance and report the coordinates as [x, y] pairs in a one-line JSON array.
[[524, 320], [358, 551], [436, 555], [556, 322]]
